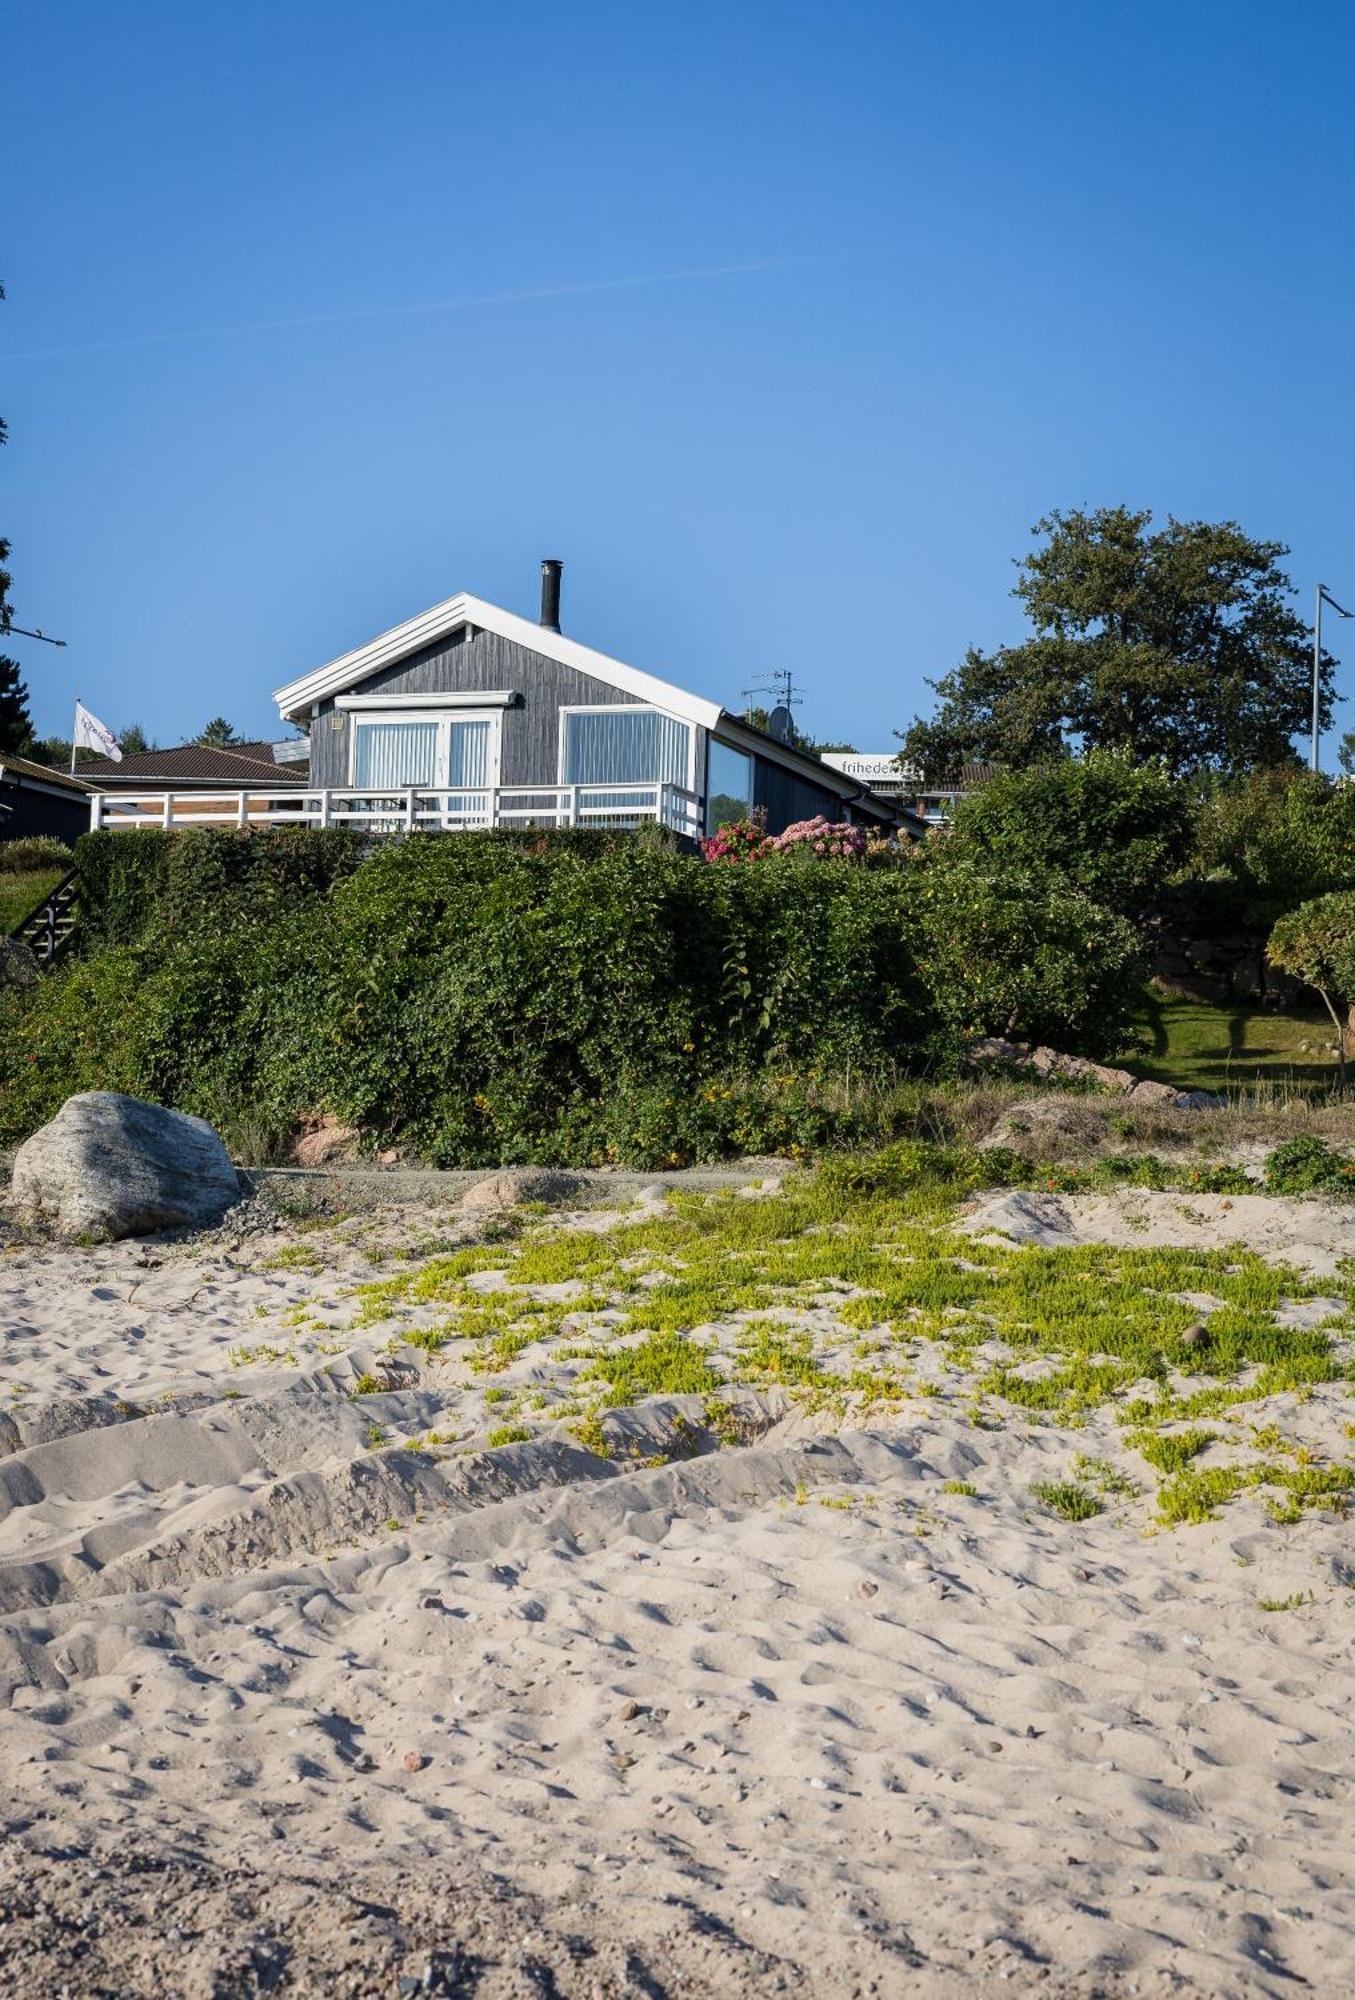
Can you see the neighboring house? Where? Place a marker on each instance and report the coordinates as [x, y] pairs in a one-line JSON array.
[[936, 804], [485, 718], [36, 799], [200, 782]]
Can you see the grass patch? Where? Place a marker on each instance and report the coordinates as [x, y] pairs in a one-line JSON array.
[[1172, 1451], [1067, 1499], [508, 1434], [21, 890], [1195, 1046]]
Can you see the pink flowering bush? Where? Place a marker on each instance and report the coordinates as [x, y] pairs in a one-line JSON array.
[[808, 839], [830, 840], [739, 840]]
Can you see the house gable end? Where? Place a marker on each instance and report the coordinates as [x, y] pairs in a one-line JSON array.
[[539, 687]]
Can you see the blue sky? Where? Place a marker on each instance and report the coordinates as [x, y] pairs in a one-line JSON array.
[[780, 324]]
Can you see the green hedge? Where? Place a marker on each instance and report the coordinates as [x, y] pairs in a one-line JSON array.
[[150, 878], [490, 998]]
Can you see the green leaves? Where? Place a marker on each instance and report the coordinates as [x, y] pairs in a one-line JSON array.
[[1177, 644]]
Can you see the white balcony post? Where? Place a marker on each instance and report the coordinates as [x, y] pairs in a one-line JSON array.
[[409, 809], [167, 810], [572, 810], [492, 797], [324, 808], [242, 811], [96, 812]]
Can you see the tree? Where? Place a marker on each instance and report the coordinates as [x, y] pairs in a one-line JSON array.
[[1316, 943], [1345, 753], [218, 733], [1284, 837], [134, 740], [1176, 644], [16, 725]]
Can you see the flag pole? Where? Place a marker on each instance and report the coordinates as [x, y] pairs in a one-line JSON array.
[[75, 730]]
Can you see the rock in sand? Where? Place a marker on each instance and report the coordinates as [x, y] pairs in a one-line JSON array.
[[111, 1166]]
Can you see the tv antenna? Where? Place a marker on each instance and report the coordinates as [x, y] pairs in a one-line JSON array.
[[780, 685]]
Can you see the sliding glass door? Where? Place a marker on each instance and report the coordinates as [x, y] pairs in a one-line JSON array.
[[456, 754]]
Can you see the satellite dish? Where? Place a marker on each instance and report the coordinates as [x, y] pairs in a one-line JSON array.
[[779, 724]]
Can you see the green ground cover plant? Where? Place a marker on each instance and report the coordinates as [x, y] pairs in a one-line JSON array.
[[1067, 1499], [849, 1288]]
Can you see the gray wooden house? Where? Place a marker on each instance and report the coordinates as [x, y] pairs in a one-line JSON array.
[[470, 716], [492, 719]]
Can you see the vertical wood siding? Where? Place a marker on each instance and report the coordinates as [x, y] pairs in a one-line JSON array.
[[456, 665], [787, 797]]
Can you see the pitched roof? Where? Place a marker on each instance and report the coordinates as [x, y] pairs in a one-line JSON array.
[[242, 763], [295, 699], [43, 774]]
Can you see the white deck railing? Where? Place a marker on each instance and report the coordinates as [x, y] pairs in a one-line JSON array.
[[412, 809]]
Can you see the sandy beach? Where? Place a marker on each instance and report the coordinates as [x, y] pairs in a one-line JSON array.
[[311, 1681]]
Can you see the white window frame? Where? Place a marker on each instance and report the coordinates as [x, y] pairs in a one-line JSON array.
[[625, 708], [444, 718]]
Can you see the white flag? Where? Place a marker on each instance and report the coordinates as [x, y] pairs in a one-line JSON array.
[[91, 734]]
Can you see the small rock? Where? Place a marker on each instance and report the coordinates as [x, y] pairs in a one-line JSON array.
[[866, 1588], [1195, 1336], [628, 1711], [517, 1184], [413, 1761], [325, 1140]]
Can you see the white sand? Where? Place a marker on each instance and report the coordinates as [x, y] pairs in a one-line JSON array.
[[896, 1740]]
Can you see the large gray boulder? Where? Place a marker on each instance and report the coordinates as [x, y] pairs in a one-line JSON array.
[[109, 1165]]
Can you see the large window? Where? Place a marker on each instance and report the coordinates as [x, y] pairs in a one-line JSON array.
[[432, 752], [390, 755], [635, 746], [729, 785]]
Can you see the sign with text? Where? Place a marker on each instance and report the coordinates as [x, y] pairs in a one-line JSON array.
[[881, 770]]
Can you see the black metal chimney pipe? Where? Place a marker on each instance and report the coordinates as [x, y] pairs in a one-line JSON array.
[[550, 593]]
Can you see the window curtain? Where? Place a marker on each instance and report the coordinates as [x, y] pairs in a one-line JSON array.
[[391, 755], [628, 746], [470, 753]]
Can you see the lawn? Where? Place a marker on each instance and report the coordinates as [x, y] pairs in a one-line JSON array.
[[1199, 1047], [22, 892]]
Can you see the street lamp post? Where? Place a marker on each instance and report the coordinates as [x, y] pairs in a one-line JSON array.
[[1324, 596]]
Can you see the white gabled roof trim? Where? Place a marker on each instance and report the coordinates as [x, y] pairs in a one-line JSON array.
[[295, 699]]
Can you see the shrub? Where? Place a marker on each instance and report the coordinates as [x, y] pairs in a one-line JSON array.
[[33, 851], [1316, 943], [172, 880], [489, 1001], [1020, 952], [822, 840], [1115, 828], [1308, 1165], [1280, 837], [738, 840]]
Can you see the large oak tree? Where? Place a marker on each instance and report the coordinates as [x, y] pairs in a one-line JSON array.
[[1178, 643]]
